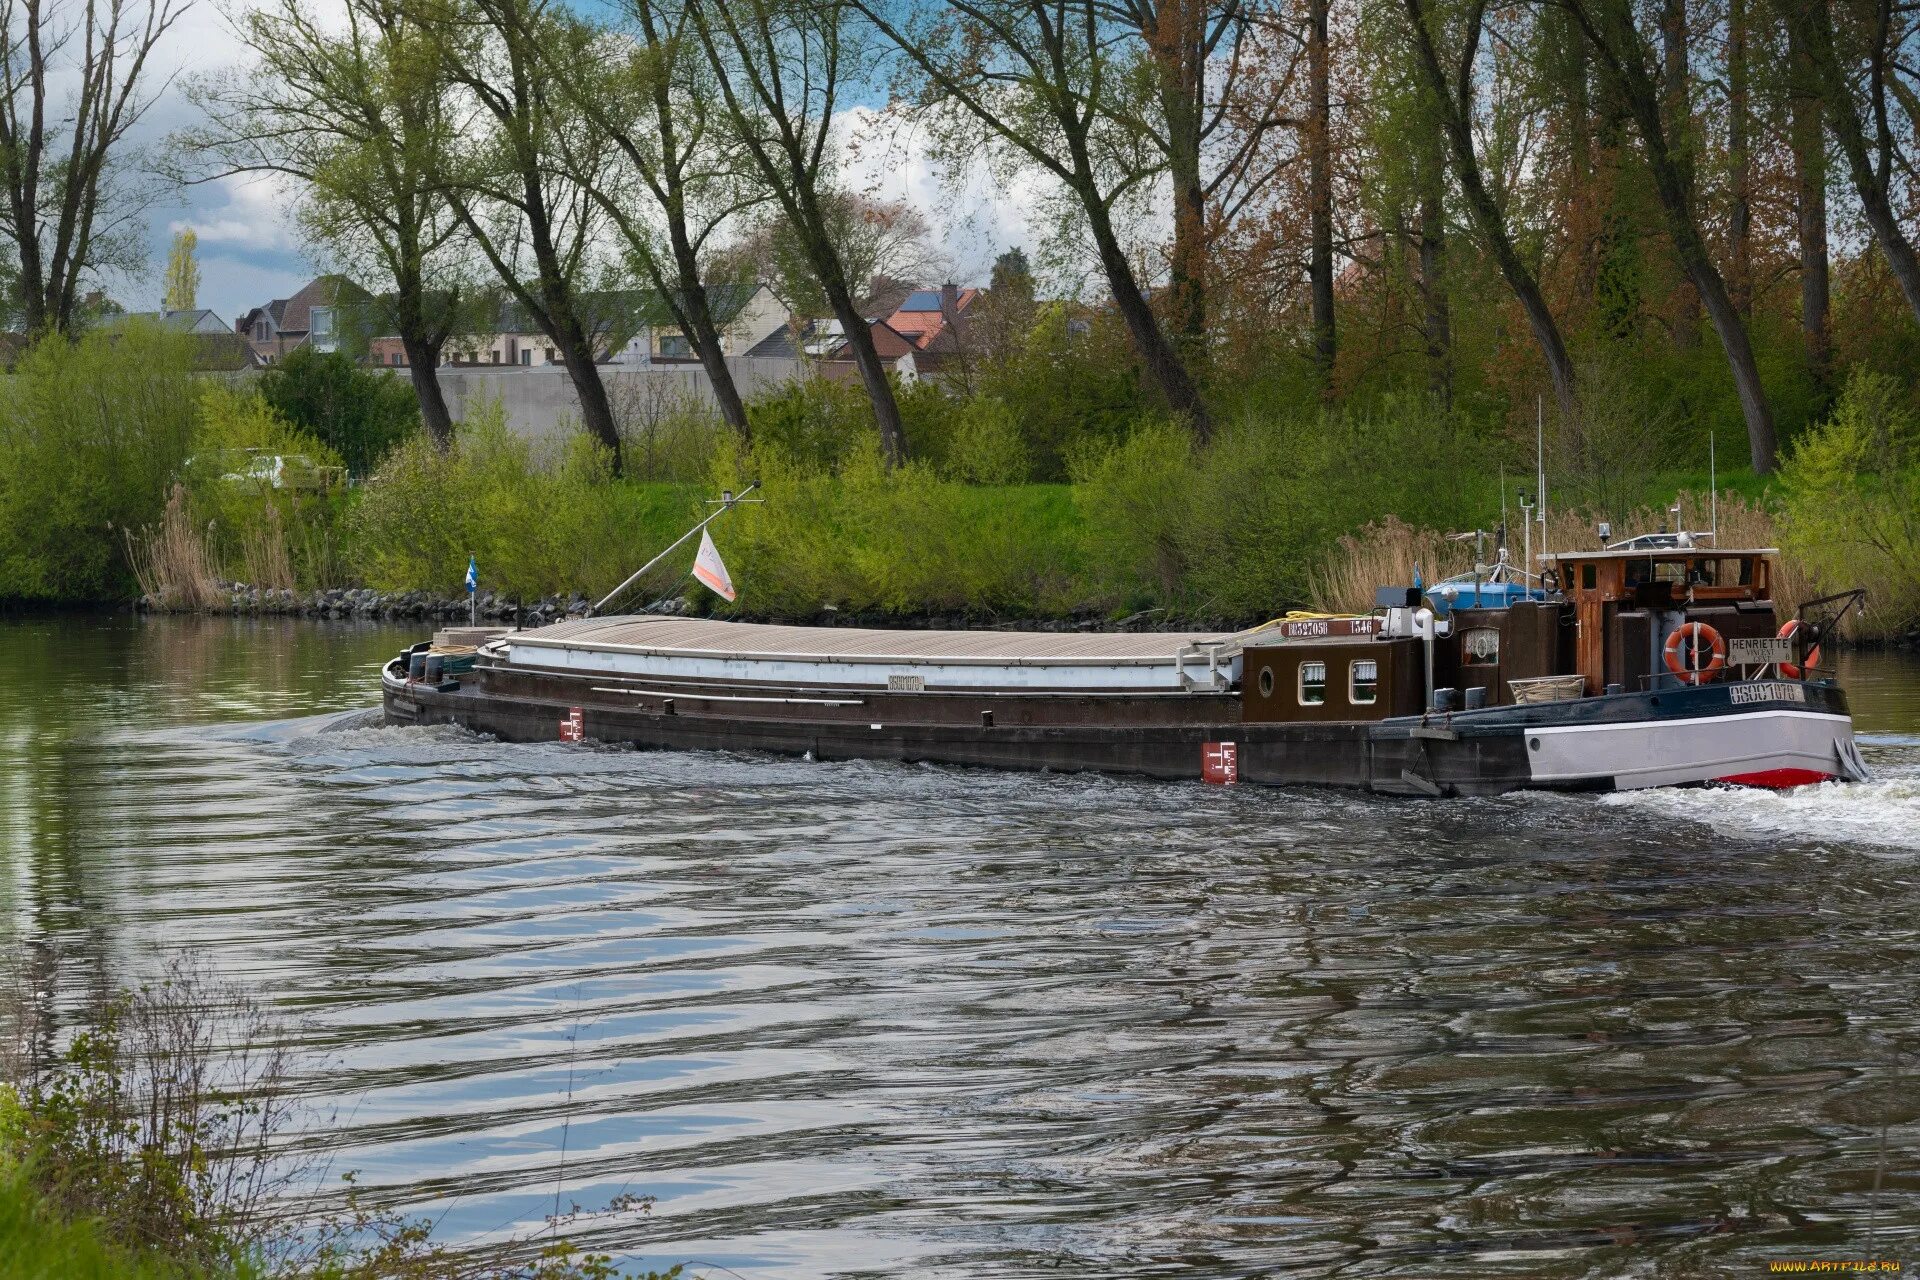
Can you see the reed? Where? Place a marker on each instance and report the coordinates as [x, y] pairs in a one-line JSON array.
[[171, 559], [263, 551], [1386, 551]]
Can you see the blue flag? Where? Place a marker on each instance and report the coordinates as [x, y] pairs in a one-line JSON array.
[[473, 575]]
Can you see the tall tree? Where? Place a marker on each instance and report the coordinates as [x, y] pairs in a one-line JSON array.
[[1610, 28], [183, 273], [1320, 186], [781, 67], [522, 184], [1453, 93], [1740, 156], [358, 118], [1050, 82], [76, 83], [650, 92], [1219, 70], [1870, 162], [1808, 142]]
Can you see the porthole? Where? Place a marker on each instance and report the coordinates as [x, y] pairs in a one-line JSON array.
[[1534, 743], [1266, 682]]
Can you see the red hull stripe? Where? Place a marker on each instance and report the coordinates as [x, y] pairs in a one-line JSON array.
[[1778, 779]]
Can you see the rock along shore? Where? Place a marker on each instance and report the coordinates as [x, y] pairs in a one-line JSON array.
[[364, 603]]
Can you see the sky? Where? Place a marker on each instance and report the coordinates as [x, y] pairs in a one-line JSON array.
[[250, 252]]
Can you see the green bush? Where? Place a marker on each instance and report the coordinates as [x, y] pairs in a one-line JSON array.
[[265, 534], [811, 423], [1850, 499], [539, 517], [1237, 530], [91, 434], [359, 414], [899, 541]]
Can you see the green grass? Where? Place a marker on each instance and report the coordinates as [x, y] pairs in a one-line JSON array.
[[36, 1245]]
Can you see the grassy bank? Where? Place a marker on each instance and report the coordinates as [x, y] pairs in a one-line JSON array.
[[116, 481], [153, 1134]]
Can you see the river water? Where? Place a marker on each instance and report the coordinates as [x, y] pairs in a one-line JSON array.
[[863, 1019]]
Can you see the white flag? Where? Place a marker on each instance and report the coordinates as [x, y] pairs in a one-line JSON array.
[[708, 567]]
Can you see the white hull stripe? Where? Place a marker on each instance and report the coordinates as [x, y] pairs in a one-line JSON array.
[[1658, 753]]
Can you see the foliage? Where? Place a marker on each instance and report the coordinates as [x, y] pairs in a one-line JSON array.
[[92, 433], [284, 535], [1236, 530], [1850, 500], [1074, 380], [151, 1146], [359, 414], [905, 540], [538, 517], [183, 273]]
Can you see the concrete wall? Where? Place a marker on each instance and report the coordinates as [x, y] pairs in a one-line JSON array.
[[539, 401]]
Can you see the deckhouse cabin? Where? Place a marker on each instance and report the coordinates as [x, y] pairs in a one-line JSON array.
[[1626, 600]]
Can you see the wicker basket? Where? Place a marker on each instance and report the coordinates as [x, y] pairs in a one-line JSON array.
[[1547, 688]]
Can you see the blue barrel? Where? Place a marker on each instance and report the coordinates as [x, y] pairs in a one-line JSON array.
[[417, 666], [436, 668]]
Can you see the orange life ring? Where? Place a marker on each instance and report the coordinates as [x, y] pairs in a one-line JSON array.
[[1687, 639], [1793, 670]]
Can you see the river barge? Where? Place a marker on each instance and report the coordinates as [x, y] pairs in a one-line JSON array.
[[1654, 662]]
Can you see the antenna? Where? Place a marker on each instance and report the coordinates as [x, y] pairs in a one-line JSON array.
[[1713, 489], [1540, 463]]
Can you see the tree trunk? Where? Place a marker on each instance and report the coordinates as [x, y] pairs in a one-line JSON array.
[[1678, 113], [1492, 223], [1740, 160], [1438, 322], [873, 374], [1850, 132], [423, 361], [1320, 189], [708, 345], [596, 410], [1164, 368], [1810, 205], [1173, 35]]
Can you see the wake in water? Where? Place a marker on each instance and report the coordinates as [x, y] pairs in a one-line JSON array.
[[1882, 814]]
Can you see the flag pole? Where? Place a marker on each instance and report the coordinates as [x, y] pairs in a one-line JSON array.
[[728, 501]]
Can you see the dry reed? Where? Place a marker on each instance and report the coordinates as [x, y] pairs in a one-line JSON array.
[[171, 560], [264, 555], [1385, 552]]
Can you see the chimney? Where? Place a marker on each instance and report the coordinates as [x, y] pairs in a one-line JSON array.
[[950, 302]]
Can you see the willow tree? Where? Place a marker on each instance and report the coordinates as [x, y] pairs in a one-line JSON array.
[[1610, 29], [648, 89], [356, 115], [782, 67], [76, 84], [1056, 85], [521, 179]]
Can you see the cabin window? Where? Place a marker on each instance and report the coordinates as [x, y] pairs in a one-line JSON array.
[[1363, 682], [1728, 572], [1313, 683], [1480, 647], [1266, 682], [1589, 576]]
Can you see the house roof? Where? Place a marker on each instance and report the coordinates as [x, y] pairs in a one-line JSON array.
[[920, 319], [294, 316], [199, 320]]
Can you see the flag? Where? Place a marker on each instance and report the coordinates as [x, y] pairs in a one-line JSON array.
[[473, 575], [708, 567]]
